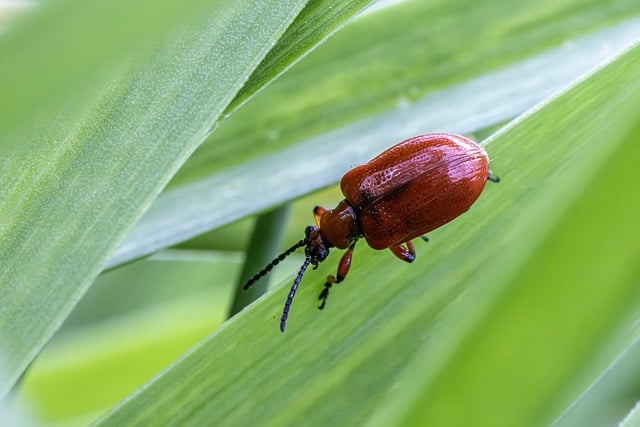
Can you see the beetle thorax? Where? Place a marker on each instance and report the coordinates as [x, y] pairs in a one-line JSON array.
[[339, 227]]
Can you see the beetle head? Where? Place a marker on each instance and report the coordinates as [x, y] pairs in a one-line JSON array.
[[316, 247]]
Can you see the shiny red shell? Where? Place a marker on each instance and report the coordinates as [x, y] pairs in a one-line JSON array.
[[408, 190]]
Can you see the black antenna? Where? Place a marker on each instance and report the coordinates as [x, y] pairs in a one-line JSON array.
[[292, 293], [273, 263]]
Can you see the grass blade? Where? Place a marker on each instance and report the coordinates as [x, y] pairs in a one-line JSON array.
[[445, 329], [217, 185], [71, 197]]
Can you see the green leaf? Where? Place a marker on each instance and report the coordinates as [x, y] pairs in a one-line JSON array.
[[45, 61], [318, 20], [131, 323], [88, 172], [545, 317], [459, 66], [504, 319], [288, 139], [632, 419], [607, 400], [390, 60]]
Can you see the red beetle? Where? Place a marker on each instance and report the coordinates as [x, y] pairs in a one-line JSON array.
[[406, 191]]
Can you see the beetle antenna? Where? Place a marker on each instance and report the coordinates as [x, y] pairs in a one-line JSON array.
[[302, 243], [292, 293]]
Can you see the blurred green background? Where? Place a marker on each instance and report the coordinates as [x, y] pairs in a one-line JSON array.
[[523, 312], [135, 320]]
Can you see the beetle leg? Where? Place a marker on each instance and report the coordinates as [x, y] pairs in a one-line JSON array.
[[343, 270], [318, 211], [424, 238], [407, 254], [493, 178]]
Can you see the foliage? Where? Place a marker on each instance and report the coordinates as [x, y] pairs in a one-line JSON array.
[[509, 315]]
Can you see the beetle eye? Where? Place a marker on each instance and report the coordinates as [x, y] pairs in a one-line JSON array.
[[310, 229]]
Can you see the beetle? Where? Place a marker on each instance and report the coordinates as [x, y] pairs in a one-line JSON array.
[[406, 191]]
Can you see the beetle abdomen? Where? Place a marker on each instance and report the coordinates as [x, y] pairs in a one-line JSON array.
[[415, 187]]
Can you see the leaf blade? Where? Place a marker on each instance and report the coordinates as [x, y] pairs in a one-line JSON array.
[[67, 210], [185, 211], [345, 362]]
